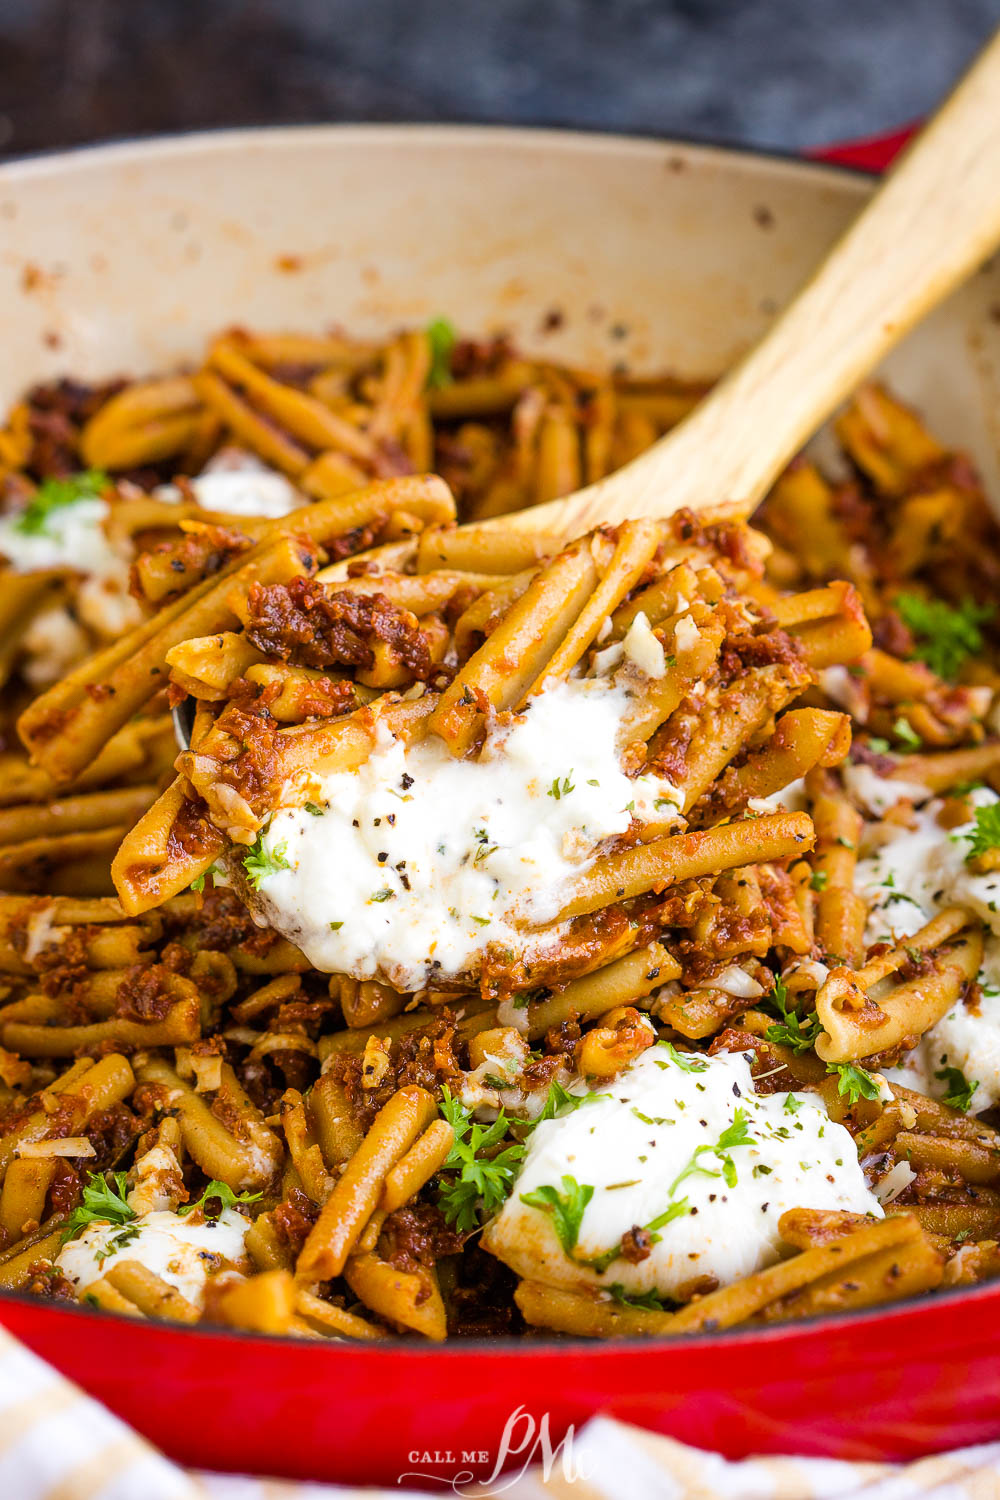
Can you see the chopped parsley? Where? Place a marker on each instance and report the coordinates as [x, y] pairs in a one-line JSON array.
[[385, 894], [944, 636], [476, 1177], [567, 1208], [986, 833], [441, 338], [562, 788], [877, 745], [734, 1135], [959, 1089], [818, 880], [650, 1119], [560, 1101], [906, 734], [854, 1083], [793, 1030], [686, 1064], [119, 1241], [225, 1195], [483, 846], [217, 874], [102, 1203], [336, 926], [649, 1301], [315, 809], [260, 863], [54, 494]]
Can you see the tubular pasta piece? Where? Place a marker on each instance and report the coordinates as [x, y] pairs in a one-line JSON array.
[[687, 856], [356, 1195], [857, 1026], [410, 1299], [514, 655], [153, 1296]]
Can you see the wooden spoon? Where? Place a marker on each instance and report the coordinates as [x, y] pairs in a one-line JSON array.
[[934, 220]]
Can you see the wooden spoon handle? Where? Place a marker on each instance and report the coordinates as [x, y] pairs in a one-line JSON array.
[[935, 219]]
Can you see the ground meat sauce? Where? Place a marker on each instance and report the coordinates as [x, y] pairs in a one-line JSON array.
[[250, 761], [310, 625], [419, 1235], [425, 1057], [145, 994], [56, 413], [293, 1218], [191, 833], [221, 923], [637, 1244]]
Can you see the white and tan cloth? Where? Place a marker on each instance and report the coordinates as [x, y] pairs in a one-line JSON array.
[[58, 1444]]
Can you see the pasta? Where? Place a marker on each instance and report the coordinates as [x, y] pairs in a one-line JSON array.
[[593, 935]]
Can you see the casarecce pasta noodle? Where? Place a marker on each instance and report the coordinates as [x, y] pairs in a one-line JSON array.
[[594, 935]]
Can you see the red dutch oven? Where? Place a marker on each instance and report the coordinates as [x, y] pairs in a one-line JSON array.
[[665, 255]]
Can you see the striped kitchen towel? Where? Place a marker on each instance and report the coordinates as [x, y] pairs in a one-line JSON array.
[[58, 1444]]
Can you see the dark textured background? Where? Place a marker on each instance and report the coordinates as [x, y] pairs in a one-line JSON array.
[[781, 73]]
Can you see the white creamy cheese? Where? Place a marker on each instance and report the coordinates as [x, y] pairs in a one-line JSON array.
[[643, 649], [419, 860], [914, 874], [918, 871], [646, 1146], [844, 690], [182, 1253], [52, 644], [791, 798], [73, 537], [237, 484], [880, 793]]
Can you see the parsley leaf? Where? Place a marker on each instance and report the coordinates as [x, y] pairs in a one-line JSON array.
[[560, 1101], [944, 635], [567, 1208], [687, 1064], [259, 863], [562, 788], [225, 1195], [960, 1090], [441, 337], [102, 1202], [986, 834], [217, 873], [117, 1242], [484, 1176], [854, 1082], [906, 734], [793, 1030], [818, 880], [56, 493], [648, 1300], [734, 1135]]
